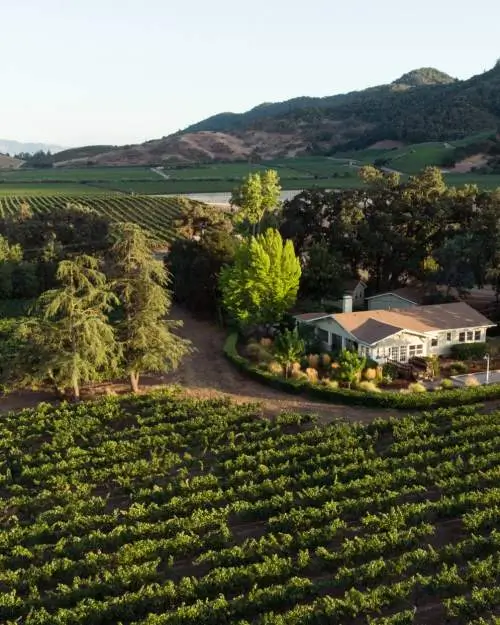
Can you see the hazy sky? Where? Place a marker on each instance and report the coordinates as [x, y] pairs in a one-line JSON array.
[[80, 72]]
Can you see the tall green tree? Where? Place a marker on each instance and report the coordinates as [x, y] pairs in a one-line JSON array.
[[141, 281], [71, 341], [262, 283], [256, 197]]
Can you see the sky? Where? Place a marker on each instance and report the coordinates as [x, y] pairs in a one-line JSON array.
[[81, 72]]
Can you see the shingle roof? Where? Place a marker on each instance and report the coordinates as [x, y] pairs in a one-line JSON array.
[[372, 331], [312, 316], [412, 294], [371, 326]]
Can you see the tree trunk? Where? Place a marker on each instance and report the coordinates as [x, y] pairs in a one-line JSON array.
[[76, 391], [134, 381]]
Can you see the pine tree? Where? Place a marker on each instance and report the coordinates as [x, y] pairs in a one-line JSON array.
[[141, 283], [72, 341]]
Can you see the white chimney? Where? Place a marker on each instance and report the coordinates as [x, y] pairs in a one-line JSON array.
[[347, 303]]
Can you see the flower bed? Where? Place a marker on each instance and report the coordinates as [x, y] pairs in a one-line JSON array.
[[455, 397]]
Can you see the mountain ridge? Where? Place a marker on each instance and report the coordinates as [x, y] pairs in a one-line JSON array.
[[422, 105], [12, 147]]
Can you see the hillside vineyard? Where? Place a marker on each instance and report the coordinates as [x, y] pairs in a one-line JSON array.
[[156, 510], [156, 214]]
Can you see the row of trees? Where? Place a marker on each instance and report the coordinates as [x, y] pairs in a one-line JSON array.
[[105, 317], [390, 231]]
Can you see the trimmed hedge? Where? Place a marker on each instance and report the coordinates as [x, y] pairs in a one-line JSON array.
[[468, 351], [420, 401]]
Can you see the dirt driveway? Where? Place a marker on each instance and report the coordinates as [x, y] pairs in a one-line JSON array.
[[207, 373]]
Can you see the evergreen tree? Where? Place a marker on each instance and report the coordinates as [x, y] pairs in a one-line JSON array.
[[141, 282], [72, 341], [262, 283]]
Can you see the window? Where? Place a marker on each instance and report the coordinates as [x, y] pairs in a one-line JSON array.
[[413, 351], [470, 335], [477, 335], [394, 353], [448, 336], [322, 335], [461, 337], [420, 349], [403, 353], [434, 342]]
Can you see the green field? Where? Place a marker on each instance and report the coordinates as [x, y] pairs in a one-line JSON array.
[[153, 213], [337, 172], [160, 511]]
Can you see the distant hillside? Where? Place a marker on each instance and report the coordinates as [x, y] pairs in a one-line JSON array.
[[7, 162], [423, 105], [16, 147], [83, 153]]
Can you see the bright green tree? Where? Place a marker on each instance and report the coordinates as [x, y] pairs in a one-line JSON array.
[[351, 364], [141, 283], [72, 342], [262, 283], [257, 196]]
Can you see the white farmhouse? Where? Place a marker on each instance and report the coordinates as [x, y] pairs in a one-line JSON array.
[[399, 334]]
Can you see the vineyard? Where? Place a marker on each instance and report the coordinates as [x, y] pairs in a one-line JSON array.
[[153, 213], [162, 511]]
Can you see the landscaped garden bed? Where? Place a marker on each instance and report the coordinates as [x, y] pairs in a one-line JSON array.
[[342, 380]]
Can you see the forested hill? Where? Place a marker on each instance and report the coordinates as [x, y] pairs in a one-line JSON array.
[[422, 105]]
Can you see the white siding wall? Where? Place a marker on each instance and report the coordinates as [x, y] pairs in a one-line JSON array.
[[388, 301], [399, 347], [333, 329], [446, 339]]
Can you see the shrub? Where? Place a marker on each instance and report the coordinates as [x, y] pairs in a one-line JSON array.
[[275, 368], [368, 387], [266, 342], [331, 384], [468, 351], [416, 387], [351, 365], [256, 352], [313, 361], [288, 347], [295, 366], [312, 375], [370, 374], [297, 374], [456, 368], [390, 371], [471, 381], [433, 365], [447, 384], [326, 360]]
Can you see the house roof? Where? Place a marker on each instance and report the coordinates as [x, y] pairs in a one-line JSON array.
[[371, 331], [312, 316], [418, 294], [371, 326], [411, 294]]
